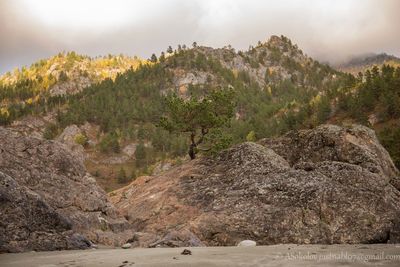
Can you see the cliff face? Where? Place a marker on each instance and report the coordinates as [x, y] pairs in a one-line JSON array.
[[327, 185], [49, 201]]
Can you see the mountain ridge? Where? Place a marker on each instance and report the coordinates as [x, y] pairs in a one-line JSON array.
[[278, 88], [362, 63]]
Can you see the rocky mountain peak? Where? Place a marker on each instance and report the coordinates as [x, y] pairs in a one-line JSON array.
[[281, 43], [276, 41]]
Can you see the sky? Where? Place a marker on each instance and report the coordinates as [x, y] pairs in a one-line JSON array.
[[328, 30]]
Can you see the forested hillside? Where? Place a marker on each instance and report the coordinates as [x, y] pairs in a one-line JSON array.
[[277, 88], [373, 99], [42, 85], [265, 106]]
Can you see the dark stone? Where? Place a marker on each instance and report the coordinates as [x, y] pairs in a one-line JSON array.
[[186, 252]]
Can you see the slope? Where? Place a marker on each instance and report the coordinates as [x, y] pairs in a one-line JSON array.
[[365, 62], [278, 88], [39, 87]]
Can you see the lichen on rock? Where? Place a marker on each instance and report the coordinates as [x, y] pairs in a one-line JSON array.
[[47, 198], [327, 185]]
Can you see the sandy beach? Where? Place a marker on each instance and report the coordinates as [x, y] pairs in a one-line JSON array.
[[277, 255]]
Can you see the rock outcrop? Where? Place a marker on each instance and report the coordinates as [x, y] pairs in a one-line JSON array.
[[49, 201], [70, 87], [68, 136], [33, 125], [327, 185]]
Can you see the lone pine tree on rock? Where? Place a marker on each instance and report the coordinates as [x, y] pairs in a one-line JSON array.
[[198, 116]]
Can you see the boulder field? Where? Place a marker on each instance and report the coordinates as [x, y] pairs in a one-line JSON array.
[[328, 185]]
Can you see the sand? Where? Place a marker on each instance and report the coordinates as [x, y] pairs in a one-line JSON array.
[[277, 255]]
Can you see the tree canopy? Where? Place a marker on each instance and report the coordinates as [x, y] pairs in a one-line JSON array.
[[197, 116]]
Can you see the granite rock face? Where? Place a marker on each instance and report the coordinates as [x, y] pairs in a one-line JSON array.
[[29, 222], [67, 137], [49, 201], [327, 185], [356, 145]]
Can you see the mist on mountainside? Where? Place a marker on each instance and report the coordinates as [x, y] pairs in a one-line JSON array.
[[329, 31]]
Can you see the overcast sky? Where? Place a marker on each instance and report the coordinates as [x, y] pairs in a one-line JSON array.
[[329, 30]]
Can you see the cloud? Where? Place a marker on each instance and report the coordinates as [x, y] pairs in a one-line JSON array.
[[329, 30]]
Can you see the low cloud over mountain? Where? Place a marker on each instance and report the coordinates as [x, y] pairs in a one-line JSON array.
[[328, 30]]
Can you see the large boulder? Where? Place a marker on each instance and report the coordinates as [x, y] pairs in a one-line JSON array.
[[29, 222], [356, 145], [327, 185], [49, 201]]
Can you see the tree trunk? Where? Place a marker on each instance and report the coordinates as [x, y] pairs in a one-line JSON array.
[[192, 152], [194, 144]]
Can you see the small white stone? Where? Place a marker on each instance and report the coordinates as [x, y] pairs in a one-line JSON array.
[[247, 243], [127, 245]]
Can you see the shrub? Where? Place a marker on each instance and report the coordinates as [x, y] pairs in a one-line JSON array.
[[81, 139], [251, 136], [122, 178], [109, 143], [51, 131]]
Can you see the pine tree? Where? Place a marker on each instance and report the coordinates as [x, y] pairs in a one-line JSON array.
[[170, 50], [162, 57], [198, 116], [121, 177], [140, 155], [153, 58]]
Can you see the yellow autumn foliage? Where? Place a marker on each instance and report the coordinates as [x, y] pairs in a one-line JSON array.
[[4, 112]]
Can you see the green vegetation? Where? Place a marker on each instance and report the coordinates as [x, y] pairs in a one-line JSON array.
[[27, 90], [51, 131], [81, 139], [295, 92], [376, 93], [251, 136], [121, 177], [109, 143], [198, 117], [390, 139], [140, 155], [129, 107]]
